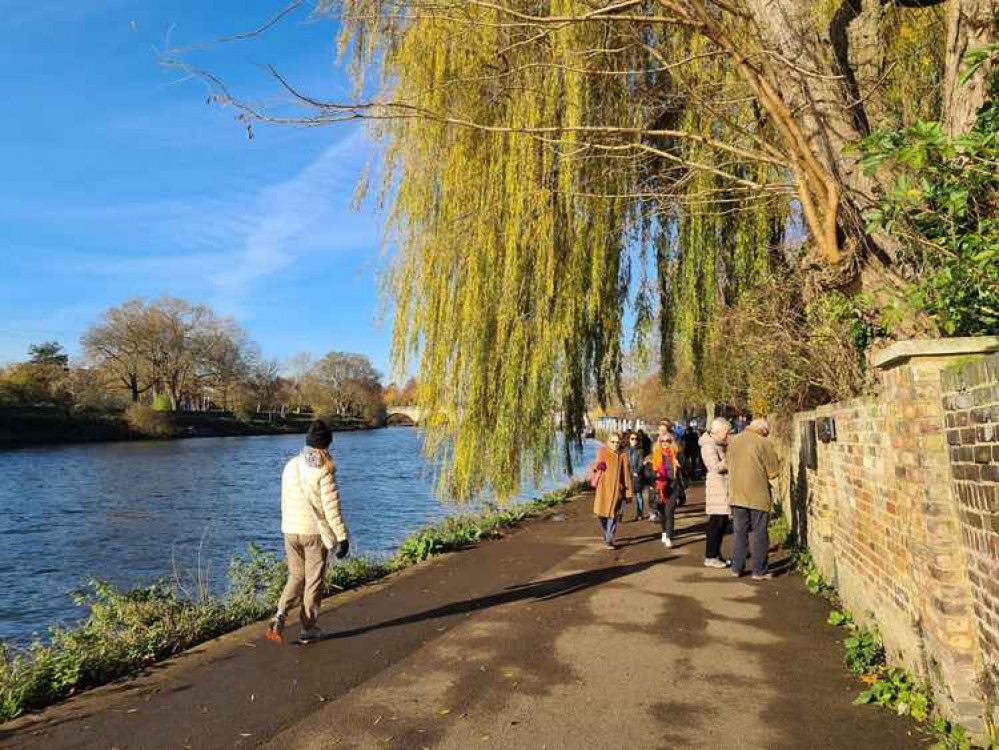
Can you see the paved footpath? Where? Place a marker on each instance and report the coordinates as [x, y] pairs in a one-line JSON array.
[[544, 639]]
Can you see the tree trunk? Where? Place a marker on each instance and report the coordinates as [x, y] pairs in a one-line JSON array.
[[825, 73], [818, 74], [970, 24]]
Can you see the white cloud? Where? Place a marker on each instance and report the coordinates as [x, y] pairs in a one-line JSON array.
[[308, 211], [228, 245]]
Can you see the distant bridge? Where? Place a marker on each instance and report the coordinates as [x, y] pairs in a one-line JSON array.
[[403, 415]]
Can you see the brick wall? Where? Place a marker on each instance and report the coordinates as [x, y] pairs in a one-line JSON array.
[[880, 513], [971, 405]]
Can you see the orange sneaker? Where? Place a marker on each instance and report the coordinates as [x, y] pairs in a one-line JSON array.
[[276, 630]]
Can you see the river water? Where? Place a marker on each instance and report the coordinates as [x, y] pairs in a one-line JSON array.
[[131, 513]]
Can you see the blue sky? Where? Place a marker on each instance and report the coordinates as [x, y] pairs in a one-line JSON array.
[[120, 182]]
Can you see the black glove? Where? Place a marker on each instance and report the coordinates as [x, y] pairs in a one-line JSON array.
[[342, 548]]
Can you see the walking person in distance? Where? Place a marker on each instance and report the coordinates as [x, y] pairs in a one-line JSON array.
[[691, 450], [666, 465], [312, 526], [611, 477], [636, 461]]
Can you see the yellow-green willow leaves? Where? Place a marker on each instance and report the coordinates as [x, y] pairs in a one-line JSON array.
[[517, 232], [538, 160]]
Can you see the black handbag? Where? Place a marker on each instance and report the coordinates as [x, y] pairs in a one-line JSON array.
[[648, 475], [684, 480]]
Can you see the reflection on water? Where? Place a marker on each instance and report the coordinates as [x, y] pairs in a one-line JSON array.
[[133, 512]]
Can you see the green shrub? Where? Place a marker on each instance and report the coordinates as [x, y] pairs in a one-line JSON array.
[[125, 632], [898, 691], [256, 581], [462, 531], [840, 617], [952, 736], [147, 421], [353, 572], [865, 653], [779, 527], [244, 412], [162, 402], [805, 564], [942, 204]]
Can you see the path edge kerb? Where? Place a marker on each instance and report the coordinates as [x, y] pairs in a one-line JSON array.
[[226, 645]]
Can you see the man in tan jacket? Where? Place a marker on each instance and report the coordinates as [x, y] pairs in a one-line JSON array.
[[752, 464], [312, 526]]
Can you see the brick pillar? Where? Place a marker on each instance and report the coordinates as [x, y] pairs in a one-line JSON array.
[[971, 402], [912, 387]]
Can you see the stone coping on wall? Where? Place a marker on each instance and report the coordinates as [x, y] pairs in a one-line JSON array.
[[902, 351]]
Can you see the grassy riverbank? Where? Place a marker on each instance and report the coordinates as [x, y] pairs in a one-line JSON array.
[[24, 427], [129, 630]]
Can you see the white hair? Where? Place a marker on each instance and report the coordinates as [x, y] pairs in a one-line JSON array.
[[719, 425], [760, 425]]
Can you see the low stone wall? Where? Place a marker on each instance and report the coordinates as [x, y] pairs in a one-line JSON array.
[[872, 496]]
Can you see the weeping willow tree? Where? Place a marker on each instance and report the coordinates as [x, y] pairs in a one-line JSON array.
[[521, 225], [554, 166]]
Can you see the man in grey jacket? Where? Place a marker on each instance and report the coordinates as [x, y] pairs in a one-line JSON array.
[[312, 526]]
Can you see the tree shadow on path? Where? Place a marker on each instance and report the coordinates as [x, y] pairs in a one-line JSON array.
[[546, 590]]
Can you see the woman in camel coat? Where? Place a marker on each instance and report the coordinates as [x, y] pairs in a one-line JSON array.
[[614, 487]]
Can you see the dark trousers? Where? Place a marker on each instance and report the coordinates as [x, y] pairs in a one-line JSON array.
[[667, 511], [715, 532], [749, 526]]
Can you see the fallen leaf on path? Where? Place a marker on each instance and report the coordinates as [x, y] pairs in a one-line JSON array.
[[132, 711], [444, 712]]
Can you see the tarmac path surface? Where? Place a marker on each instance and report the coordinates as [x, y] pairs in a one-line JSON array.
[[544, 639]]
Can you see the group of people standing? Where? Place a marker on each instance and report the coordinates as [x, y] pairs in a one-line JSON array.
[[738, 470]]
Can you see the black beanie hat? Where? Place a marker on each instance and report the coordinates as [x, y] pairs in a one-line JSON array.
[[319, 435]]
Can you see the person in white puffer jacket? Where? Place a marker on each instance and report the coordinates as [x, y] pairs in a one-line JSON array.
[[312, 526]]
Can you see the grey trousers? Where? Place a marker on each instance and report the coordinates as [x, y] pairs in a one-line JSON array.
[[749, 526]]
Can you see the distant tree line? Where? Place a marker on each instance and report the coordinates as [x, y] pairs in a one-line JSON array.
[[405, 395], [172, 355]]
